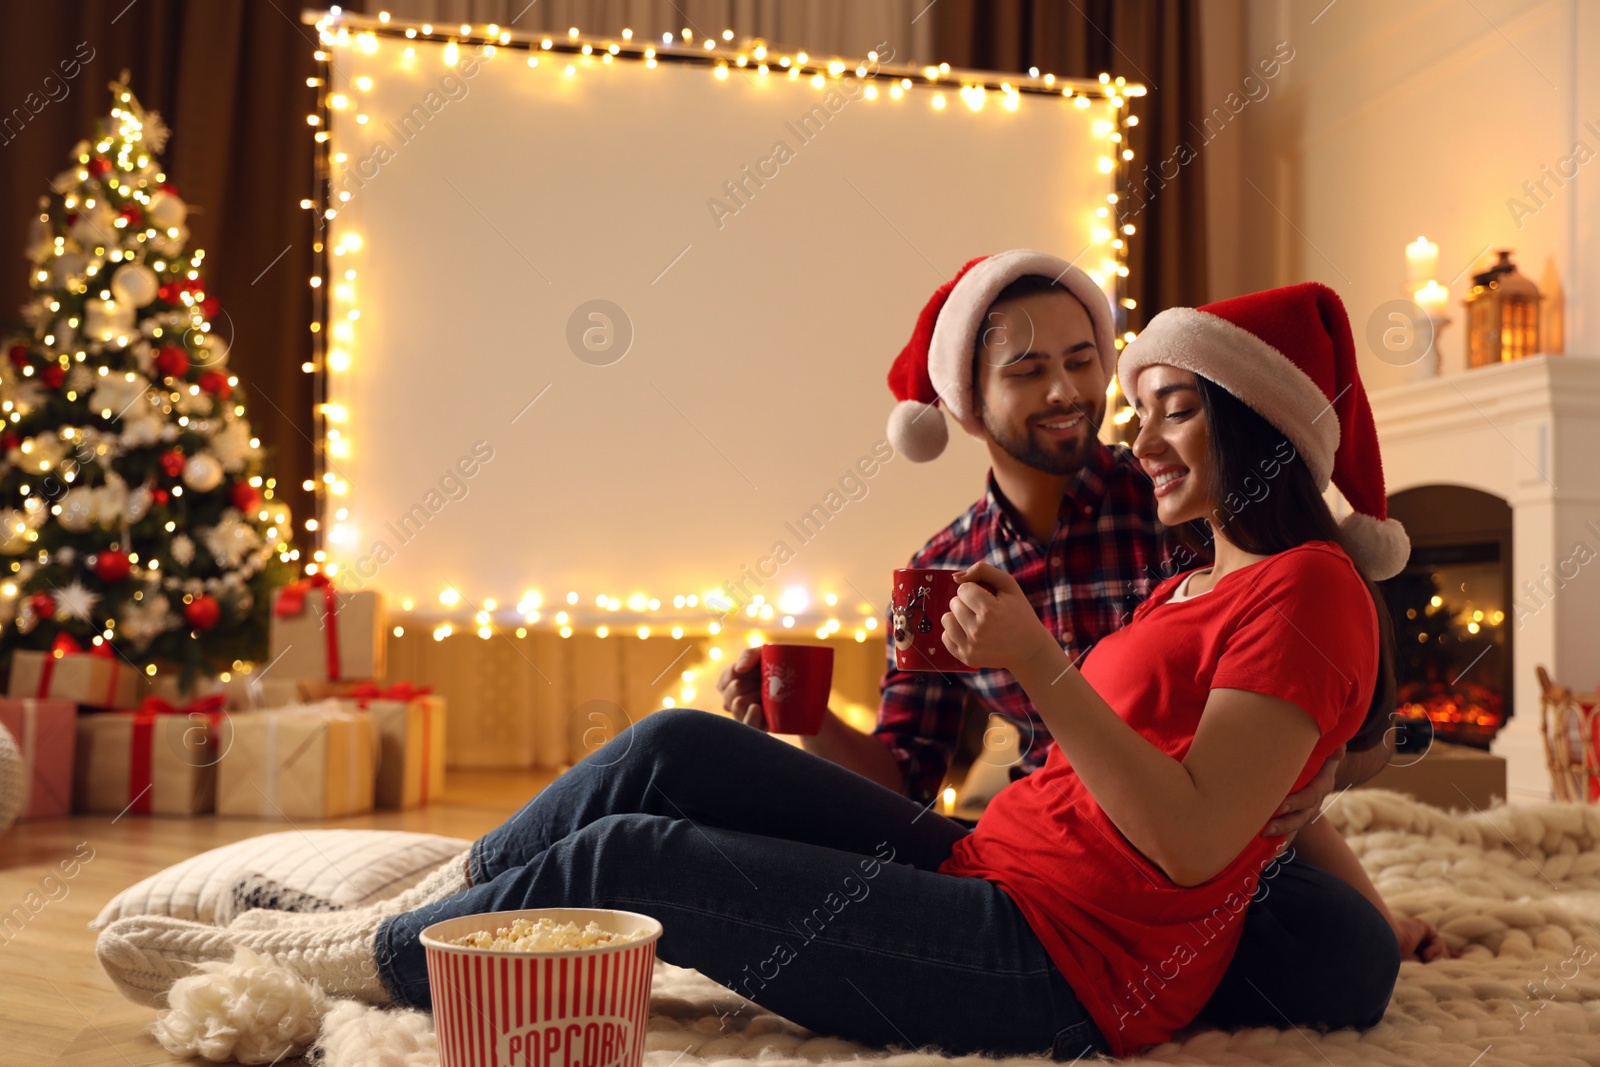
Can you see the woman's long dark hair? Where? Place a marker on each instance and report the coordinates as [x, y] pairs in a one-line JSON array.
[[1267, 502]]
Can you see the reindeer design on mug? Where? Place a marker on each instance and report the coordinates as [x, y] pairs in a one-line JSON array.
[[917, 602]]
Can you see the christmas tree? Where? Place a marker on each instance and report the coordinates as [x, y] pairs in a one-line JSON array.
[[134, 506]]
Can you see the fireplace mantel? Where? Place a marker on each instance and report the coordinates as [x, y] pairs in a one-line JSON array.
[[1529, 433]]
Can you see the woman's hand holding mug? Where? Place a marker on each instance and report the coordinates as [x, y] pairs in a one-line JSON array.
[[991, 623]]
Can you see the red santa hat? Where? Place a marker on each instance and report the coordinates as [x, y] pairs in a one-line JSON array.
[[936, 364], [1288, 354]]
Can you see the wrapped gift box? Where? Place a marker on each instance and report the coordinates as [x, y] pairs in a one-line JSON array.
[[97, 679], [320, 632], [46, 733], [239, 693], [309, 761], [159, 760], [410, 725]]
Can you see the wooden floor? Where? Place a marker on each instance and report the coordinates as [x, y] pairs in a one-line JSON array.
[[56, 1005]]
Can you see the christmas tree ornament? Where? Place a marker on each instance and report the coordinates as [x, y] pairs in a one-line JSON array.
[[134, 284], [14, 529], [171, 242], [76, 510], [138, 504], [202, 612], [112, 566], [233, 445], [202, 473], [104, 432], [216, 383], [166, 211], [105, 320], [39, 239], [93, 231], [173, 361], [68, 269], [77, 601], [244, 496]]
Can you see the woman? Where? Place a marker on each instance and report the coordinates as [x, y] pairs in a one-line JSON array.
[[1098, 900]]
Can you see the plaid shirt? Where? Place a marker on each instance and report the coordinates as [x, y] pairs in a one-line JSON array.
[[1107, 554]]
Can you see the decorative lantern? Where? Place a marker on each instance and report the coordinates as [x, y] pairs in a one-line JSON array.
[[1502, 315]]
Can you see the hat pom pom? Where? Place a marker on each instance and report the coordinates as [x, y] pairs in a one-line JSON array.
[[917, 430], [1380, 546]]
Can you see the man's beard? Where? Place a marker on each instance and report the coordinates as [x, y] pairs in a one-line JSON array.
[[1052, 457]]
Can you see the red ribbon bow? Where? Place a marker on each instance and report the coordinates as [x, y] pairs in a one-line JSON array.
[[292, 600], [401, 691], [65, 645], [142, 754]]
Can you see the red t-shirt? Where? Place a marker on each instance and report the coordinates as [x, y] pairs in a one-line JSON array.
[[1142, 953]]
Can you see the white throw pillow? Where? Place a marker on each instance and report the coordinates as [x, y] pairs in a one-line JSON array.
[[347, 867]]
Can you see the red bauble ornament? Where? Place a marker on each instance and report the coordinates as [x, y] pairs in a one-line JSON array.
[[160, 496], [173, 361], [172, 464], [19, 356], [8, 441], [211, 305], [202, 612], [170, 292], [243, 496], [132, 214], [216, 383], [53, 375], [43, 604], [99, 165], [112, 566]]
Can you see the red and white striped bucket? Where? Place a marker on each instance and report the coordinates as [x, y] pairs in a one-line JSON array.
[[586, 1007]]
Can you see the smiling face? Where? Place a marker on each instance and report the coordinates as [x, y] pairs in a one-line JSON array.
[[1040, 387], [1174, 443]]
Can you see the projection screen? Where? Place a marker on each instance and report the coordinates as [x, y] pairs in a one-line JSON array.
[[619, 327]]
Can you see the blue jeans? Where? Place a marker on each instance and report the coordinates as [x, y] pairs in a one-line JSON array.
[[814, 892]]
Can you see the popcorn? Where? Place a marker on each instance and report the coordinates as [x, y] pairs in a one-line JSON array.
[[545, 935]]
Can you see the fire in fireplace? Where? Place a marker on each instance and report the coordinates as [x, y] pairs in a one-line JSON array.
[[1453, 628]]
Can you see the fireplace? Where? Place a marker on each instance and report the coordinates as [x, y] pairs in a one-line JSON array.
[[1520, 438], [1453, 612]]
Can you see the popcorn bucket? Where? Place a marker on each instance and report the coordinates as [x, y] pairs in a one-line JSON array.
[[576, 1007]]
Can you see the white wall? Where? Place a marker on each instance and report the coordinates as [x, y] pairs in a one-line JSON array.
[[1398, 120]]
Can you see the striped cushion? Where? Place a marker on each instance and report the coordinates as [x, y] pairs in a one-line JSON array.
[[347, 867]]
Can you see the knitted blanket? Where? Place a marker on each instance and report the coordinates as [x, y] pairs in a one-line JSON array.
[[1517, 888]]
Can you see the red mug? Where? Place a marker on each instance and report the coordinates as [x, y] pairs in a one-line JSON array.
[[795, 680], [919, 601]]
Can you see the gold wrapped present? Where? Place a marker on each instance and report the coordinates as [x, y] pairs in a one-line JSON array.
[[410, 724], [155, 760], [319, 632], [96, 678], [309, 761]]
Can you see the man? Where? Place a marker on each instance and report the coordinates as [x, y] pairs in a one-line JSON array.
[[1019, 349]]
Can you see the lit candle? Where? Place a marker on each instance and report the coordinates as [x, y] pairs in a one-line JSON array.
[[1422, 261], [949, 798], [1431, 298]]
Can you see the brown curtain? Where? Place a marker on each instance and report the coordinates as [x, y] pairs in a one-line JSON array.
[[1153, 42], [229, 79]]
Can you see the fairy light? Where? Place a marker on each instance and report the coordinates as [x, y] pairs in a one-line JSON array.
[[333, 282]]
